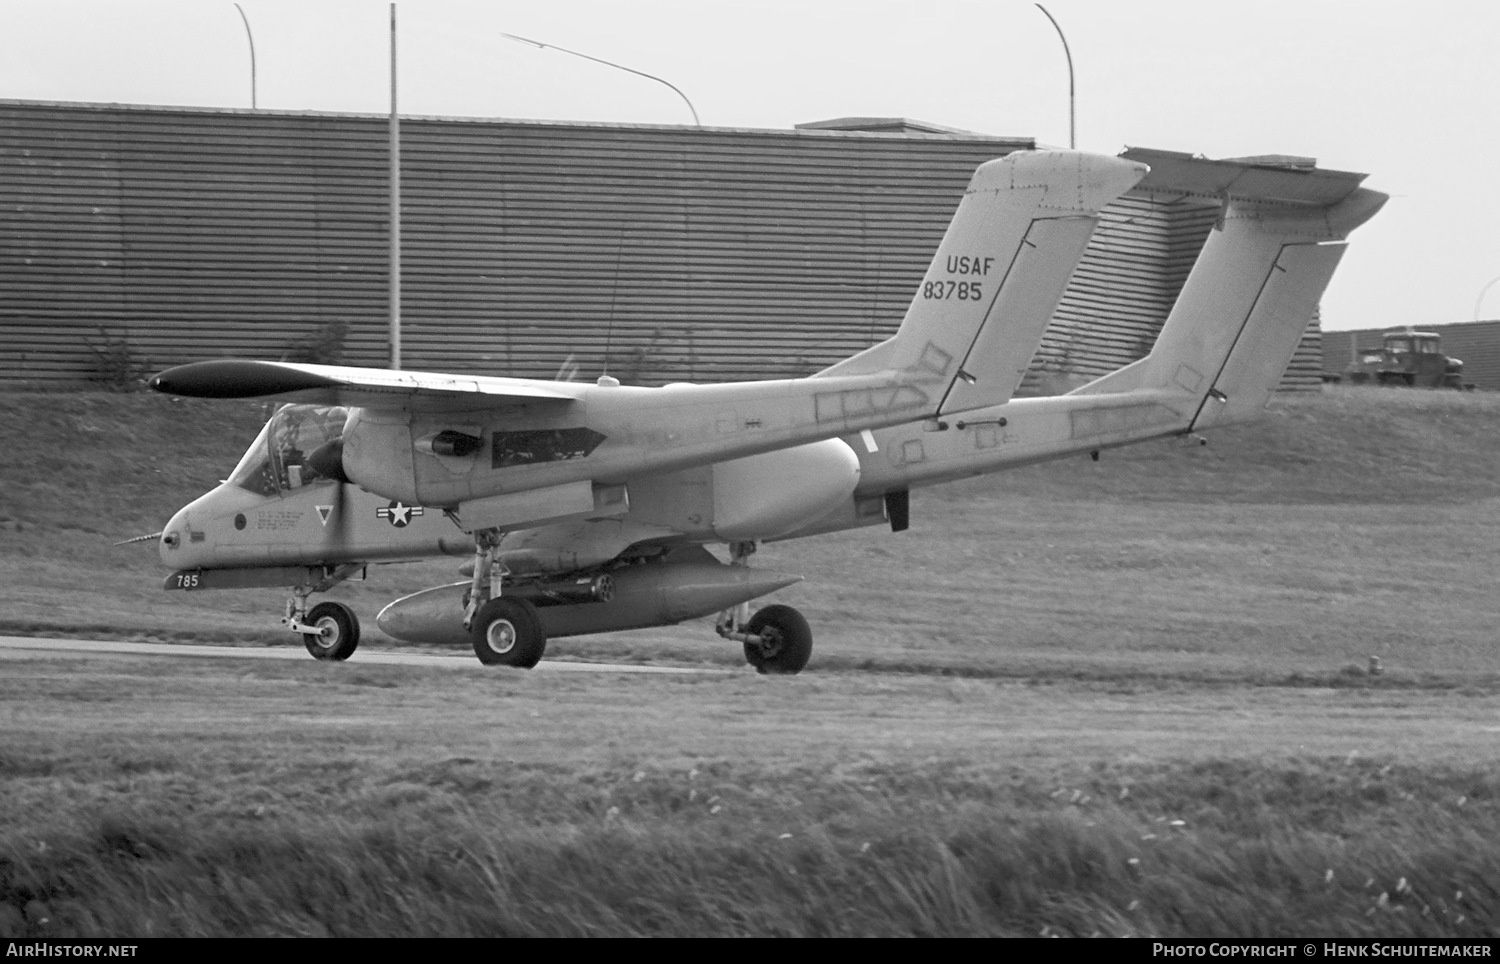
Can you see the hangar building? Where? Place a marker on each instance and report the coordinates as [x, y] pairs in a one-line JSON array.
[[135, 238]]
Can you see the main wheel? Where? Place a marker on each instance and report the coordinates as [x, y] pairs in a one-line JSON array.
[[338, 631], [785, 640], [507, 632]]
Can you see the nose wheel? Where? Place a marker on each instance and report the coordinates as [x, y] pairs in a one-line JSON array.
[[329, 630], [337, 631]]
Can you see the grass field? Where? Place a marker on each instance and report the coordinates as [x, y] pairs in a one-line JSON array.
[[1128, 697]]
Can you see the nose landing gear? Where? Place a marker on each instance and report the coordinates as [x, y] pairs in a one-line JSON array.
[[337, 633], [330, 630]]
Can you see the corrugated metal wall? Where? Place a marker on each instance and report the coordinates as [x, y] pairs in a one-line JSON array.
[[147, 237], [1476, 343], [1124, 287]]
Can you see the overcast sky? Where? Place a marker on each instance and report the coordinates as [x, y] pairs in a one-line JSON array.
[[1409, 93]]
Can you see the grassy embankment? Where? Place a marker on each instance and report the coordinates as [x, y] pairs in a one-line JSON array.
[[1119, 755]]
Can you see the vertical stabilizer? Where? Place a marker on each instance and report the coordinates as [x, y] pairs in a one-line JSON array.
[[1003, 265], [1265, 345], [1244, 307]]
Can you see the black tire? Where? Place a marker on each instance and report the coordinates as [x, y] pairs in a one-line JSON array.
[[786, 640], [507, 632], [338, 631]]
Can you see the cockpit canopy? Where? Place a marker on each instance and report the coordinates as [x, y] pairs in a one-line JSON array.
[[301, 445]]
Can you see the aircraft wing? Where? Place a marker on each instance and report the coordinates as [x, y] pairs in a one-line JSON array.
[[359, 387]]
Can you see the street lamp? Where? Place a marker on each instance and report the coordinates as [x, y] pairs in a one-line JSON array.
[[1072, 124], [1479, 302], [607, 63], [394, 273], [251, 37]]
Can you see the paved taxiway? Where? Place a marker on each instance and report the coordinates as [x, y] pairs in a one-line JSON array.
[[24, 647]]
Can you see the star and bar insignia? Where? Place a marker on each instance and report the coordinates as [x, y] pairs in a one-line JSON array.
[[399, 513]]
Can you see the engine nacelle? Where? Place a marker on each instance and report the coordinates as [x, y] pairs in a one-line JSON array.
[[770, 495], [377, 453]]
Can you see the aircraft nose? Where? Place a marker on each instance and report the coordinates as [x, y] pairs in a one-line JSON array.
[[173, 535], [196, 536]]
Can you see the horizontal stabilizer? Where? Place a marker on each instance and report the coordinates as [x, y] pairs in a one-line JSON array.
[[338, 385], [1291, 181]]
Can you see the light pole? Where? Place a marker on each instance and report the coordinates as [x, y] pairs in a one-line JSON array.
[[251, 37], [607, 63], [1479, 302], [395, 240], [1072, 122]]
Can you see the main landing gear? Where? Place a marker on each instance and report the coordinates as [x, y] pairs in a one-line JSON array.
[[777, 638], [505, 630], [330, 630]]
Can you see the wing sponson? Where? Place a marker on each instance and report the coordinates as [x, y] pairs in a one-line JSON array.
[[330, 384]]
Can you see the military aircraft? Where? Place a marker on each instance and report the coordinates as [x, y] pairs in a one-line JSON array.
[[589, 507]]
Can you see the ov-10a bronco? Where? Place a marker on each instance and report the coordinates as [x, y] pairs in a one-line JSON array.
[[588, 507]]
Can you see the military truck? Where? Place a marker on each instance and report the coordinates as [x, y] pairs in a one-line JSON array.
[[1407, 358]]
